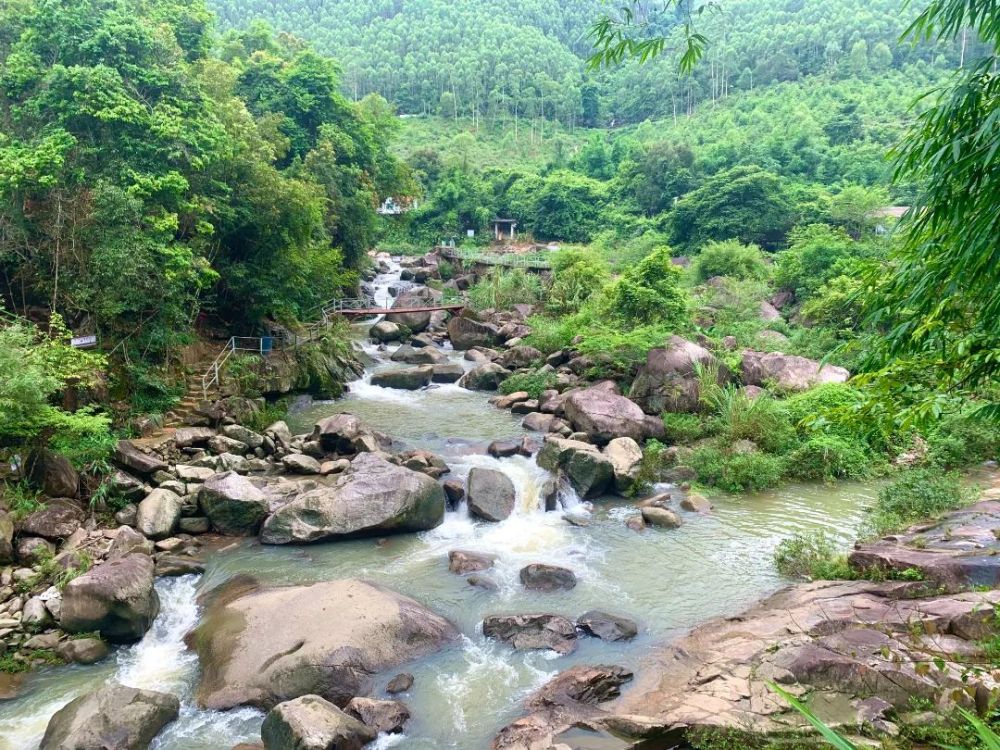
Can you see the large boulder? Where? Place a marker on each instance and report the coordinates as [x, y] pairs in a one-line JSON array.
[[385, 331], [261, 646], [418, 296], [346, 434], [113, 717], [312, 723], [485, 377], [669, 379], [54, 474], [466, 333], [532, 631], [625, 456], [388, 717], [425, 355], [520, 356], [372, 497], [233, 505], [606, 626], [129, 457], [185, 437], [404, 378], [590, 472], [116, 598], [541, 577], [6, 538], [158, 513], [57, 520], [787, 371], [604, 415], [490, 494]]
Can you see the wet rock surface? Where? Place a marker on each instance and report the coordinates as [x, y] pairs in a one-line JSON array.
[[532, 631]]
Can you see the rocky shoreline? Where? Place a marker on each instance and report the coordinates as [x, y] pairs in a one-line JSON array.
[[72, 585]]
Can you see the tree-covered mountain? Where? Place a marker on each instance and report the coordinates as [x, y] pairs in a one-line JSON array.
[[527, 58]]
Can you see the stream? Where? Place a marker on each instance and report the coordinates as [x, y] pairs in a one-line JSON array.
[[666, 580]]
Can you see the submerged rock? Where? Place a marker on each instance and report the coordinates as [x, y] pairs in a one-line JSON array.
[[113, 717], [532, 631], [372, 497], [259, 646], [606, 626], [490, 494], [462, 561], [116, 598], [541, 577]]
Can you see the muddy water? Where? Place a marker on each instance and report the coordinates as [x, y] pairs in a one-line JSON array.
[[666, 580]]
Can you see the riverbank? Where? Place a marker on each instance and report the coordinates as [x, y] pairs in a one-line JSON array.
[[441, 461]]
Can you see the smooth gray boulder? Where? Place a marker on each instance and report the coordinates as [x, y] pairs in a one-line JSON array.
[[372, 497], [625, 456], [404, 378], [129, 457], [313, 723], [491, 494], [158, 513], [346, 434], [426, 355], [113, 717], [233, 504], [485, 377], [466, 333], [787, 372], [415, 297], [385, 331], [669, 379], [57, 520], [116, 599], [604, 415], [259, 646]]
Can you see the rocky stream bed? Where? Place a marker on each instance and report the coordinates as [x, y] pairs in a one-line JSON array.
[[423, 565]]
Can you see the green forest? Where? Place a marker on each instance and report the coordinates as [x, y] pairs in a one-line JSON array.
[[669, 308]]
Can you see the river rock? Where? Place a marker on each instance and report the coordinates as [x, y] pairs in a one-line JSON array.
[[57, 520], [491, 494], [129, 457], [116, 598], [606, 626], [54, 474], [583, 684], [541, 577], [399, 684], [233, 504], [6, 538], [538, 422], [312, 723], [185, 437], [625, 456], [113, 717], [462, 561], [664, 517], [418, 296], [447, 373], [346, 434], [520, 356], [388, 717], [158, 514], [372, 497], [300, 463], [696, 503], [33, 549], [83, 650], [787, 372], [485, 377], [957, 552], [404, 378], [532, 631], [454, 491], [604, 415], [590, 472], [669, 380], [343, 633], [427, 355], [466, 333], [127, 541], [385, 332]]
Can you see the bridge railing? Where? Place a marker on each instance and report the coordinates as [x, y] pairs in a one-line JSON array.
[[507, 260]]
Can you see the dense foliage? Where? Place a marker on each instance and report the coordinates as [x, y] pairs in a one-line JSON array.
[[150, 171]]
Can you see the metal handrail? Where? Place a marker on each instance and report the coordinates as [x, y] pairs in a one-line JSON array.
[[509, 260], [259, 344]]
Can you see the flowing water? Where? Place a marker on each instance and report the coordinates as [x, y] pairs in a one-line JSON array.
[[668, 581]]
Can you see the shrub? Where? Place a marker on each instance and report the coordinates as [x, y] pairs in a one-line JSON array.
[[916, 495], [813, 556], [648, 292], [739, 417], [737, 472], [270, 413], [962, 439], [683, 428], [446, 270], [533, 383], [504, 288], [829, 457], [730, 258], [549, 334], [577, 276], [815, 255]]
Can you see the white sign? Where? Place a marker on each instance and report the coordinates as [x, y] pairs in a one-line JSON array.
[[83, 342]]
